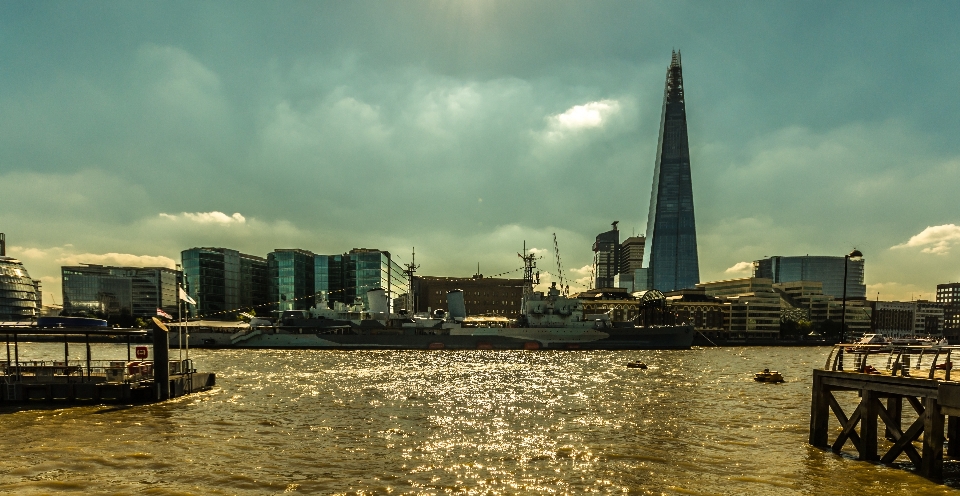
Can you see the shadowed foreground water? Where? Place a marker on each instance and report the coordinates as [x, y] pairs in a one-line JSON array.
[[480, 422]]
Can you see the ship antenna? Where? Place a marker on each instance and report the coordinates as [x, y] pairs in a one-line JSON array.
[[556, 251], [411, 270], [529, 264]]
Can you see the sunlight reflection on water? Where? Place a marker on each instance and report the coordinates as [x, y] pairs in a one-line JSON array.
[[451, 421]]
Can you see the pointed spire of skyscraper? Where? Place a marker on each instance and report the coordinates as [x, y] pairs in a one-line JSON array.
[[671, 257]]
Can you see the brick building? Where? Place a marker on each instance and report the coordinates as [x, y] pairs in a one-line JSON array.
[[482, 296]]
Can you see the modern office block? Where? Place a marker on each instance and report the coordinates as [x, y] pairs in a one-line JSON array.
[[671, 241], [828, 270], [949, 295], [126, 291], [224, 281], [292, 278], [606, 257]]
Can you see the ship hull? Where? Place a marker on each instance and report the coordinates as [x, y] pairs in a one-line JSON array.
[[666, 337]]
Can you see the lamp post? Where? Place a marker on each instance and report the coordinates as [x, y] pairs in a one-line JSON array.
[[843, 313]]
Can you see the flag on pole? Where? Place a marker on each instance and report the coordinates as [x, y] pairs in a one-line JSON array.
[[185, 297], [161, 313]]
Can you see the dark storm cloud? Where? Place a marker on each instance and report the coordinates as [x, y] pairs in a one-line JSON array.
[[466, 127]]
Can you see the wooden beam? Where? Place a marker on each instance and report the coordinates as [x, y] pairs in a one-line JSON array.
[[904, 442], [849, 425], [869, 405], [931, 466], [917, 406], [895, 418], [820, 414], [895, 433]]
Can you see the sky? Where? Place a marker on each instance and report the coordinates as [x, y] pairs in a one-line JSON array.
[[130, 131]]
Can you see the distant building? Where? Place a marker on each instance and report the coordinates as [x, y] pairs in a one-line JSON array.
[[670, 256], [606, 257], [632, 276], [755, 306], [619, 303], [709, 315], [828, 270], [907, 318], [347, 277], [949, 296], [119, 291], [224, 281], [18, 292], [292, 278], [631, 254], [805, 300], [486, 296]]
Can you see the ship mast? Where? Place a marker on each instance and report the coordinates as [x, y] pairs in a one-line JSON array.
[[411, 270], [530, 279]]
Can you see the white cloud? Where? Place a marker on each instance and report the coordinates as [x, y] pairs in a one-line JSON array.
[[934, 239], [592, 114], [208, 217], [581, 117], [740, 268]]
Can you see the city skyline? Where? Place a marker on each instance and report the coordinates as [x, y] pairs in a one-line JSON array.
[[465, 129]]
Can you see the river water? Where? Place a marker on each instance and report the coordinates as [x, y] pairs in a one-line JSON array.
[[458, 422]]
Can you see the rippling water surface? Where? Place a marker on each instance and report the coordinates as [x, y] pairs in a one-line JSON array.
[[484, 422]]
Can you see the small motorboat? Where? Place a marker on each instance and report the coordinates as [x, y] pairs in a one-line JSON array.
[[637, 365], [768, 375]]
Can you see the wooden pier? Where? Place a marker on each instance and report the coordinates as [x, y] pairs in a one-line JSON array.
[[89, 381], [907, 388]]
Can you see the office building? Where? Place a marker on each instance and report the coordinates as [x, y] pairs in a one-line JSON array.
[[19, 298], [828, 270], [670, 256], [292, 278], [805, 300], [709, 315], [755, 306], [632, 276], [224, 281], [106, 291], [606, 257], [949, 295], [631, 254], [902, 319], [347, 277], [482, 296]]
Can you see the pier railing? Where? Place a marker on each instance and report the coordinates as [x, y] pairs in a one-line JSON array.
[[114, 371], [921, 362]]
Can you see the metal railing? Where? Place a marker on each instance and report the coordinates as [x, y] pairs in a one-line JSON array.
[[916, 361], [120, 371]]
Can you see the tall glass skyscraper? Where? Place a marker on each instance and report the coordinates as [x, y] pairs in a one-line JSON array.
[[671, 254]]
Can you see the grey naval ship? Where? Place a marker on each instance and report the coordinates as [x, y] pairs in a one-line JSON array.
[[549, 320]]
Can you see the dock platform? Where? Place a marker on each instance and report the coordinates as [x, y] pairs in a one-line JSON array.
[[894, 384], [135, 379]]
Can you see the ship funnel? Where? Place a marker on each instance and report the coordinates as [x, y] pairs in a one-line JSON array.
[[455, 305], [377, 301], [3, 245]]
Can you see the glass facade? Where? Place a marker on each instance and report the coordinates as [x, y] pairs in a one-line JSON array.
[[828, 270], [671, 240], [292, 275], [98, 290], [18, 295], [345, 277], [606, 257], [224, 281]]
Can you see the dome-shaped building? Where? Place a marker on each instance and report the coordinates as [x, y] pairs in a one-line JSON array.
[[18, 292]]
